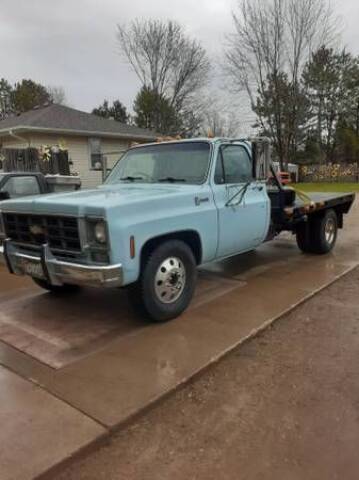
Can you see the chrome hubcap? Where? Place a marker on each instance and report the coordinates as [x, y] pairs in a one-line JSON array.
[[330, 231], [170, 280]]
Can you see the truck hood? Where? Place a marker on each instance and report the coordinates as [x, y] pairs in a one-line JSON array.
[[96, 201]]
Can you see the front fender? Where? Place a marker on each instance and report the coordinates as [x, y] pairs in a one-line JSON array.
[[150, 221]]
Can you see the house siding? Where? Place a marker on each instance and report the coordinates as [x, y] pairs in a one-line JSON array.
[[12, 142], [78, 148]]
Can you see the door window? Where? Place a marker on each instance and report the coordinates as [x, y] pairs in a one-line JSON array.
[[233, 165], [21, 186]]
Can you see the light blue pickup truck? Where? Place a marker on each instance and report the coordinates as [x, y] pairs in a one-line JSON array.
[[164, 209]]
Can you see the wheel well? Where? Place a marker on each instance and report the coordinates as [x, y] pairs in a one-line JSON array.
[[190, 237], [339, 211]]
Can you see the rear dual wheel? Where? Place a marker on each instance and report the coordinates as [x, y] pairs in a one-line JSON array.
[[319, 234]]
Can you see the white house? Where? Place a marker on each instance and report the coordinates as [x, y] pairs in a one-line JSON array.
[[87, 137]]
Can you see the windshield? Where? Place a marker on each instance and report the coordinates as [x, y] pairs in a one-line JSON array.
[[167, 163]]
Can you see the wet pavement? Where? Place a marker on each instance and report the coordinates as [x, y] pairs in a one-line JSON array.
[[37, 429], [283, 406], [97, 357], [83, 323]]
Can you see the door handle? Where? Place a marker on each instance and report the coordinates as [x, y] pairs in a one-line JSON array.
[[258, 187], [199, 200]]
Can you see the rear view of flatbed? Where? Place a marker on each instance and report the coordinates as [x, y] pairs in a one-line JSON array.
[[314, 218]]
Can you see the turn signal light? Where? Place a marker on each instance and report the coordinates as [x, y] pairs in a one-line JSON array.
[[132, 247]]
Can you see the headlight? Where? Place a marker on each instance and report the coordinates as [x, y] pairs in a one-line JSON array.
[[100, 232]]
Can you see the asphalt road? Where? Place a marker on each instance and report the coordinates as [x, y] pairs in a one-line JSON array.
[[283, 406]]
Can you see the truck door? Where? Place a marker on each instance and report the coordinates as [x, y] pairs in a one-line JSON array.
[[242, 202]]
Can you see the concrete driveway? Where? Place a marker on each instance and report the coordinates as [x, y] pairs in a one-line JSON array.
[[85, 364]]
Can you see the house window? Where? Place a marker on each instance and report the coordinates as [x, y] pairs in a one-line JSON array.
[[95, 154]]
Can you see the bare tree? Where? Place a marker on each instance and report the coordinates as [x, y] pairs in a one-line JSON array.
[[57, 94], [220, 124], [6, 106], [165, 59], [222, 116], [272, 41]]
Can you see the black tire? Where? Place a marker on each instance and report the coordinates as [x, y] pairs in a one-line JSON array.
[[303, 237], [58, 289], [319, 235], [321, 244], [145, 293]]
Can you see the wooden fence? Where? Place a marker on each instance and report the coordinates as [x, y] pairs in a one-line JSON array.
[[30, 160], [332, 172]]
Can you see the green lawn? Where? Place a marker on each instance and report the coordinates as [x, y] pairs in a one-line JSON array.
[[327, 187]]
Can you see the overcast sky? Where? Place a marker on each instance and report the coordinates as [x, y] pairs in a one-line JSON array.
[[72, 43]]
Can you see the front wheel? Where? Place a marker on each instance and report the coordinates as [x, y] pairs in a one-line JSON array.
[[167, 281], [58, 289]]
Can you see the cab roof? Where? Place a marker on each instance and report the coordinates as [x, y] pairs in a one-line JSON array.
[[196, 139]]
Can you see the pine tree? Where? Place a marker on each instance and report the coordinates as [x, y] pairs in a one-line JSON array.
[[117, 111], [154, 111], [28, 94]]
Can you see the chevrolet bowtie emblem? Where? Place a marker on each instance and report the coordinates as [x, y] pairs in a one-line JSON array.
[[36, 229]]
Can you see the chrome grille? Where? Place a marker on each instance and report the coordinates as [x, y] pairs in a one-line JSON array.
[[60, 233]]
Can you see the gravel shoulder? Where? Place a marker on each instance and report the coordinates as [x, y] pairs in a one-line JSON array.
[[285, 405]]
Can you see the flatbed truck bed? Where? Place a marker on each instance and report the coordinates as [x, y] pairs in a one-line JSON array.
[[319, 201], [329, 199], [302, 214]]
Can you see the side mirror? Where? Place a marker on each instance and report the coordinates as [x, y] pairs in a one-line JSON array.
[[261, 157], [4, 195]]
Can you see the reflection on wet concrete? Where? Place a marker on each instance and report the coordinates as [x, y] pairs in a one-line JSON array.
[[9, 284], [60, 329]]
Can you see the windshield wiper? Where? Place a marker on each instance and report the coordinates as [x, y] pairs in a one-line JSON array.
[[129, 178], [171, 179]]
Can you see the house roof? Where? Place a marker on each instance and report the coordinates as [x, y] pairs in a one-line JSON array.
[[55, 118]]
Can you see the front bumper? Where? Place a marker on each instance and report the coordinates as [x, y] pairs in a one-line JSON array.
[[47, 267]]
